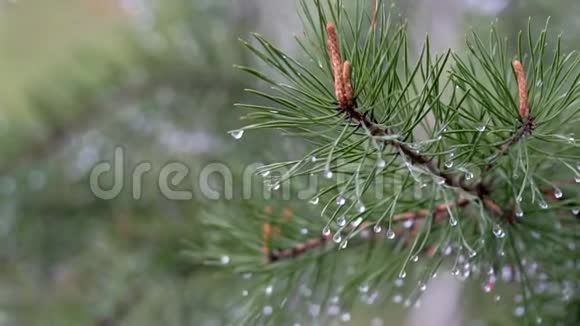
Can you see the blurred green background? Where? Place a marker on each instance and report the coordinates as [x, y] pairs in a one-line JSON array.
[[80, 77]]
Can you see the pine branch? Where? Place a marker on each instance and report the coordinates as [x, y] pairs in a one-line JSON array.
[[276, 255]]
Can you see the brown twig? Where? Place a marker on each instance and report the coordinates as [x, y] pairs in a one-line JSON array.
[[299, 249]]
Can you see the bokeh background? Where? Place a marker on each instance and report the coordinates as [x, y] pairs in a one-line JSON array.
[[80, 77]]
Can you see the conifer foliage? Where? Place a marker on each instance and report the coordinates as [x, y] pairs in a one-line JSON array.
[[464, 160]]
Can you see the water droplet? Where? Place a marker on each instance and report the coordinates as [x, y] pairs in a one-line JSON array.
[[357, 222], [497, 298], [340, 201], [423, 287], [472, 253], [469, 175], [313, 159], [381, 164], [397, 298], [245, 293], [328, 174], [439, 180], [449, 164], [402, 274], [276, 186], [267, 310], [360, 207], [558, 193], [315, 201], [236, 134], [326, 231], [344, 244], [519, 199], [415, 259], [453, 221], [265, 173], [341, 221], [363, 288], [519, 311], [576, 211], [577, 179], [377, 228], [269, 289], [304, 231], [399, 282], [337, 238], [498, 231], [391, 234], [543, 204], [519, 211], [225, 260], [333, 310], [481, 127]]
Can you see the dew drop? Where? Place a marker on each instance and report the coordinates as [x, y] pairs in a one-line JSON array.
[[415, 259], [452, 221], [497, 298], [423, 287], [543, 204], [328, 174], [315, 201], [498, 232], [313, 159], [519, 311], [269, 289], [558, 193], [576, 211], [340, 201], [267, 310], [245, 293], [326, 231], [381, 164], [469, 176], [397, 298], [225, 260], [402, 274], [360, 207], [391, 234], [439, 180], [237, 134], [449, 164], [341, 221], [519, 211], [276, 186], [337, 238], [304, 231], [265, 173], [345, 317], [377, 228], [481, 127], [472, 253], [363, 288], [357, 222], [344, 244]]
